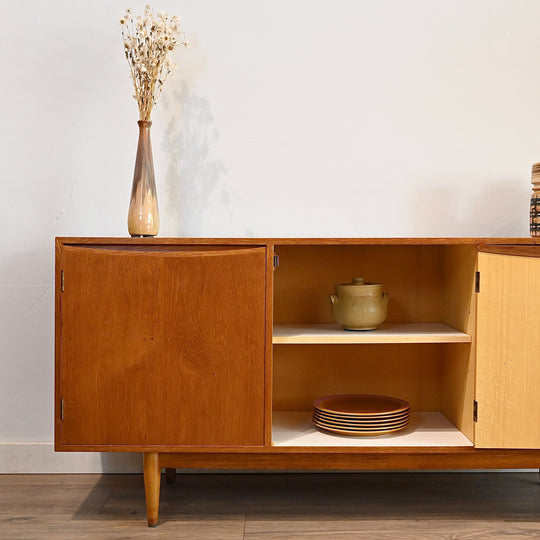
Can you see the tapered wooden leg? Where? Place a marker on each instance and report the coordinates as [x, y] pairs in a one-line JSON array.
[[152, 478], [170, 476]]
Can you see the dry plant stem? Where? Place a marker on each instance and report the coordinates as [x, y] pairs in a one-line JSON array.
[[147, 43]]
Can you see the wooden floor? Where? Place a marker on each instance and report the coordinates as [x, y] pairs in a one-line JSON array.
[[373, 506]]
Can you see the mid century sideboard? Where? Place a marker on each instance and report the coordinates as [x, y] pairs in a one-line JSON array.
[[208, 353]]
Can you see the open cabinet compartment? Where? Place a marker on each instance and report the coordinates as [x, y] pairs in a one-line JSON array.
[[423, 353]]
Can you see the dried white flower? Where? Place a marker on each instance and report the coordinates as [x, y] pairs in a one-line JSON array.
[[147, 42]]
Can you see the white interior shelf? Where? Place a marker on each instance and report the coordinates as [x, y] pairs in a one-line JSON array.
[[295, 428], [386, 333]]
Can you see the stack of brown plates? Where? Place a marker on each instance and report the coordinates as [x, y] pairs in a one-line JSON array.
[[361, 414]]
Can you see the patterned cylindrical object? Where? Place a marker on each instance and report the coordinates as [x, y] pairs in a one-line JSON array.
[[535, 215], [535, 201]]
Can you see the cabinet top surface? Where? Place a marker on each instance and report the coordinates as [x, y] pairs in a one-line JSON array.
[[294, 241]]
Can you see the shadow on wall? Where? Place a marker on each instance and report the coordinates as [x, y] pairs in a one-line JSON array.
[[452, 211], [121, 462], [193, 174]]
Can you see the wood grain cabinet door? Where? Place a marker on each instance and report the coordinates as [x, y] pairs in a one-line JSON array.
[[161, 347], [508, 349]]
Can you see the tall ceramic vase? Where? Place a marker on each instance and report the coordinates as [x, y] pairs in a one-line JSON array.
[[143, 216]]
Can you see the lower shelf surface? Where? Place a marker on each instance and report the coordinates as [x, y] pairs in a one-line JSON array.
[[425, 429]]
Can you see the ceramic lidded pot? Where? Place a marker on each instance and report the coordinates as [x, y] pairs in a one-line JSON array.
[[359, 305]]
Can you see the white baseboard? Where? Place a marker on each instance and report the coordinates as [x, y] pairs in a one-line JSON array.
[[23, 458]]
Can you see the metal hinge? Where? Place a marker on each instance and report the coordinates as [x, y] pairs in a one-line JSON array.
[[62, 280], [477, 282], [276, 261], [475, 411], [62, 409]]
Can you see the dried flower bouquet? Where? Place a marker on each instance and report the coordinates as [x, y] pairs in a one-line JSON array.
[[148, 41]]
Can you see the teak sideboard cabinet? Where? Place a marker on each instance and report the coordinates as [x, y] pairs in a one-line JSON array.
[[208, 353]]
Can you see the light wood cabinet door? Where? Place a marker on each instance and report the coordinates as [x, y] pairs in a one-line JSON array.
[[508, 349], [161, 347]]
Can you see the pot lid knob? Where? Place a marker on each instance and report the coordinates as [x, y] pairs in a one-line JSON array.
[[358, 281]]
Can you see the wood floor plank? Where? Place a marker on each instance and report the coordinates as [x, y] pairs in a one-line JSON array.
[[390, 529], [58, 479], [35, 500], [59, 527]]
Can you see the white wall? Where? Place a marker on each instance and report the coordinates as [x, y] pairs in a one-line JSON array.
[[287, 118]]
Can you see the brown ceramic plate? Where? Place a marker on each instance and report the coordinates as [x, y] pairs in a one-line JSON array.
[[359, 433], [361, 418], [360, 428], [360, 423], [361, 404]]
